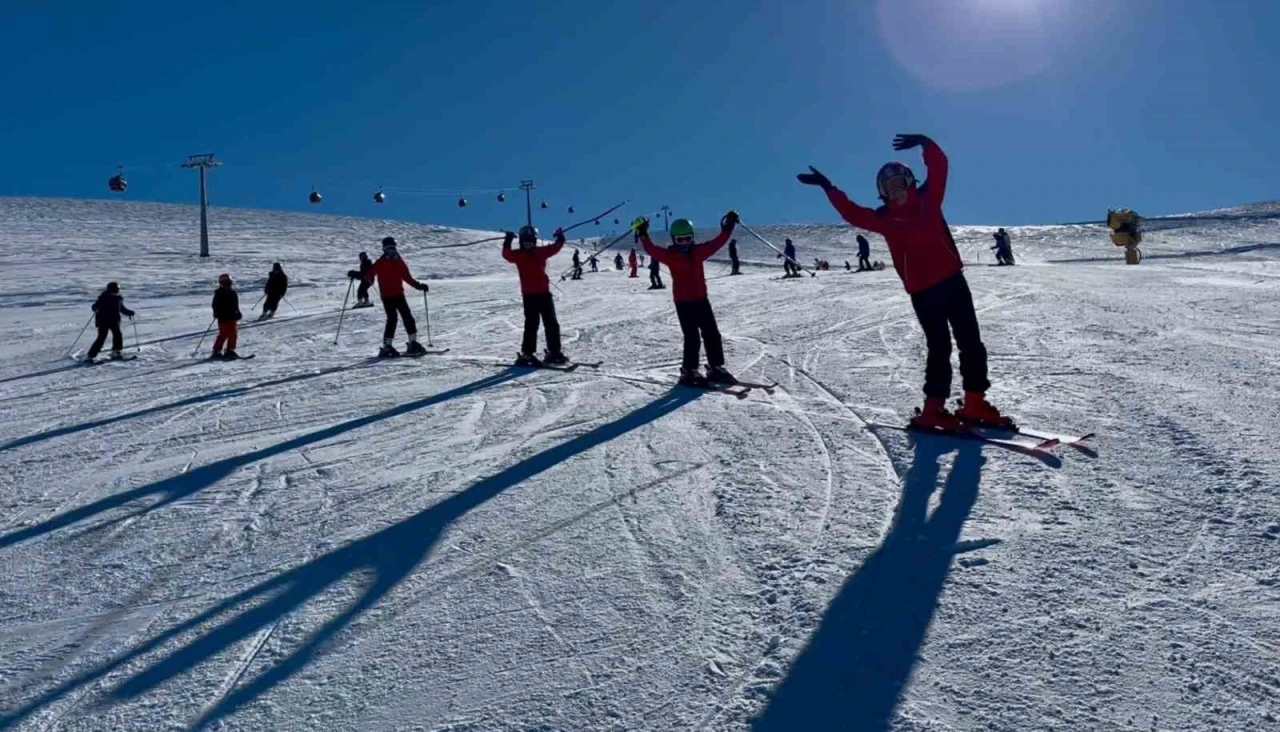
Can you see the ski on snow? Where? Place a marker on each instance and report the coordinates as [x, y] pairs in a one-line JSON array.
[[98, 361], [1042, 448]]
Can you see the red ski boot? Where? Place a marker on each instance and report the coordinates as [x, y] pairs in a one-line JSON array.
[[977, 411], [935, 417]]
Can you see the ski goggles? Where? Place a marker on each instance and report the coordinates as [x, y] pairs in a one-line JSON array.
[[684, 240], [894, 185]]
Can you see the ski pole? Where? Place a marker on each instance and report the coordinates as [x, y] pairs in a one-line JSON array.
[[202, 337], [427, 308], [137, 345], [779, 251], [291, 307], [343, 312], [255, 302], [72, 349], [597, 217]]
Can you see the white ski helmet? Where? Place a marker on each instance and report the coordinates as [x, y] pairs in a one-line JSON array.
[[888, 172]]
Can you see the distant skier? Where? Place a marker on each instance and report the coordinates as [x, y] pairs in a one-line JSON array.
[[617, 261], [535, 291], [1003, 248], [107, 310], [928, 262], [362, 274], [733, 257], [655, 275], [277, 286], [864, 254], [595, 264], [392, 274], [848, 267], [577, 266], [789, 265], [226, 310], [632, 262], [689, 290]]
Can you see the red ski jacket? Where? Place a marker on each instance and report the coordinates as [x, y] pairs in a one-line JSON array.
[[920, 242], [531, 264], [688, 283], [391, 273]]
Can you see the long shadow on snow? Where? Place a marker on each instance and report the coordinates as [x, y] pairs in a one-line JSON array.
[[38, 374], [189, 401], [1242, 249], [389, 555], [181, 486], [858, 661]]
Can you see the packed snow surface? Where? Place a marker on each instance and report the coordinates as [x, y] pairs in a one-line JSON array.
[[316, 540]]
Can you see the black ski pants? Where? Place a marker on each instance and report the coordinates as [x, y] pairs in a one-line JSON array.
[[272, 302], [946, 309], [734, 262], [655, 278], [362, 292], [398, 305], [864, 262], [117, 339], [698, 323], [540, 307]]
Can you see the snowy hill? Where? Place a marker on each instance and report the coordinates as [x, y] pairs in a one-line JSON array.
[[317, 540]]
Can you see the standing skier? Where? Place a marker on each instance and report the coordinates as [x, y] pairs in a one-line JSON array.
[[392, 274], [617, 261], [655, 274], [226, 310], [689, 290], [362, 274], [595, 264], [577, 266], [107, 310], [535, 292], [632, 262], [928, 262], [864, 254], [733, 257], [1003, 248], [277, 286], [790, 267]]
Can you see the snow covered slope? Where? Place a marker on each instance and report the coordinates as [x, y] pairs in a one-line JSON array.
[[314, 540]]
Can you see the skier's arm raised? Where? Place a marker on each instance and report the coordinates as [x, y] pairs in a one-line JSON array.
[[554, 249], [706, 250], [935, 163], [859, 216], [642, 230], [507, 254]]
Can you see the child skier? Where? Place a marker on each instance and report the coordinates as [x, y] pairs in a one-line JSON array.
[[617, 261], [392, 273], [928, 262], [107, 310], [655, 275], [733, 257], [277, 286], [864, 254], [226, 310], [577, 266], [689, 290], [535, 292], [632, 262], [789, 266], [362, 274]]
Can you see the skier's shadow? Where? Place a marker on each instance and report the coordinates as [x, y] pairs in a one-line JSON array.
[[858, 661], [386, 558]]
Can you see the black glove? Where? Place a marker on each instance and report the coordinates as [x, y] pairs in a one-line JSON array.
[[353, 274], [559, 236], [642, 228], [907, 141], [815, 178], [510, 237], [729, 221], [422, 287]]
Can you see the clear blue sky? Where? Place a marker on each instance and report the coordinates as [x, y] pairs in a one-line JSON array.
[[1051, 110]]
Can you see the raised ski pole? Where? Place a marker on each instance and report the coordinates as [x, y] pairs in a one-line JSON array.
[[597, 217], [72, 349], [427, 308], [196, 350], [779, 251], [343, 312]]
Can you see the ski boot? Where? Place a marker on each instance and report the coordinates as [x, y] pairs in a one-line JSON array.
[[935, 417], [216, 356], [388, 350], [414, 348], [230, 355], [528, 359], [115, 355], [555, 359], [720, 375], [977, 411], [691, 377]]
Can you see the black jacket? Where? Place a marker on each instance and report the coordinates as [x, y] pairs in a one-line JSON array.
[[108, 308], [226, 305], [277, 283]]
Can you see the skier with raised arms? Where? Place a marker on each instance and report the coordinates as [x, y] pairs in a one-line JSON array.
[[392, 274], [928, 262], [535, 292], [689, 290]]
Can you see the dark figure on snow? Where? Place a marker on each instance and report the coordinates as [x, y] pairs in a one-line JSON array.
[[790, 267], [864, 254], [1003, 248], [362, 274], [689, 290], [277, 286], [535, 291], [595, 263], [392, 274], [655, 274], [577, 266], [733, 257], [633, 263], [107, 310], [928, 262], [617, 261], [226, 310]]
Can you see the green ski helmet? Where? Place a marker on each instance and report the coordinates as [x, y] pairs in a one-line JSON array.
[[682, 235]]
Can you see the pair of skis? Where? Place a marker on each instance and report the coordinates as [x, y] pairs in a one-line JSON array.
[[1043, 442]]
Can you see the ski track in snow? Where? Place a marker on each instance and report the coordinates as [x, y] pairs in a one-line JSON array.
[[320, 540]]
